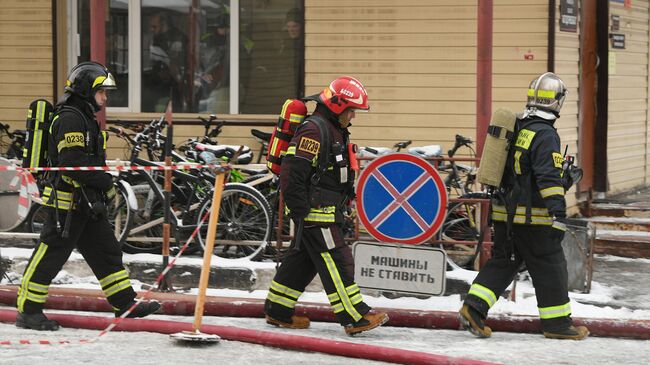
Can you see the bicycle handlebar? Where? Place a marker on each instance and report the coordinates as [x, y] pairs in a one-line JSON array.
[[403, 144]]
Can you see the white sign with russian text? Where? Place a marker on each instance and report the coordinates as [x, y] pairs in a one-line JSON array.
[[400, 268]]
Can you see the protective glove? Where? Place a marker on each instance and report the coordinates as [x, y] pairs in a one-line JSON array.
[[558, 229]]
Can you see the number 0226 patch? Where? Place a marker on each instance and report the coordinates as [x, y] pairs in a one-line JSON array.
[[309, 145]]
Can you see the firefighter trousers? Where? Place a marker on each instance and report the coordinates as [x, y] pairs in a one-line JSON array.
[[95, 241], [545, 262], [322, 251]]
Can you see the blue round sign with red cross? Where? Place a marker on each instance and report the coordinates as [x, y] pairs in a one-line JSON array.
[[401, 198]]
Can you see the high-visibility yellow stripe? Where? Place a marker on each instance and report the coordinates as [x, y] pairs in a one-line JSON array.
[[36, 298], [283, 301], [24, 285], [284, 107], [116, 276], [285, 290], [38, 134], [356, 299], [546, 94], [322, 218], [352, 289], [296, 118], [334, 297], [553, 190], [38, 287], [521, 209], [118, 287], [555, 311], [517, 163], [340, 288], [64, 195], [521, 219], [484, 293], [291, 151]]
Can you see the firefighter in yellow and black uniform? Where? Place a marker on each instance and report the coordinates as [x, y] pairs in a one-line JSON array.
[[316, 196], [529, 215], [76, 204]]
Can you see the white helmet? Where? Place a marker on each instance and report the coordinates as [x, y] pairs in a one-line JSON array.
[[546, 95]]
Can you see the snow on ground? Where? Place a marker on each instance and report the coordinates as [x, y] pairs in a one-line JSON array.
[[506, 348], [151, 348]]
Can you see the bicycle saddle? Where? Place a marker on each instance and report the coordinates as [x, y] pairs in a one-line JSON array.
[[373, 151], [433, 150], [263, 136]]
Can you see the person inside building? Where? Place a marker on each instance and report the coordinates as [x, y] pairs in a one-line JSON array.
[[166, 75], [214, 81], [316, 195], [529, 215], [291, 50], [75, 202]]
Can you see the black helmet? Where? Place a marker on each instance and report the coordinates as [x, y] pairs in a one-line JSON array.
[[86, 78]]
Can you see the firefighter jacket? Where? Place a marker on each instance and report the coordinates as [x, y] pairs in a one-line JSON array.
[[532, 188], [75, 139], [320, 201]]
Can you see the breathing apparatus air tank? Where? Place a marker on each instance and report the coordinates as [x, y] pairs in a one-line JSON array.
[[495, 150]]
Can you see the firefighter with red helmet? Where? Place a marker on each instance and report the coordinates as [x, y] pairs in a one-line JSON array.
[[75, 203], [317, 184]]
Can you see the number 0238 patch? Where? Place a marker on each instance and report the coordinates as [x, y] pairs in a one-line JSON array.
[[309, 145], [74, 139]]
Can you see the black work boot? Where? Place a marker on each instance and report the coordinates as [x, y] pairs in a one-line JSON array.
[[143, 309], [36, 321], [366, 323], [569, 333], [472, 320]]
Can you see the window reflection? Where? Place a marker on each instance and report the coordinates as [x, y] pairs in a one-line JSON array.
[[271, 68], [117, 51], [185, 54]]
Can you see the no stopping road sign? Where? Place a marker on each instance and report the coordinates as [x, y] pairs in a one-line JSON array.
[[401, 198]]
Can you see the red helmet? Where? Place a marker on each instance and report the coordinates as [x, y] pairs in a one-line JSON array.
[[345, 92]]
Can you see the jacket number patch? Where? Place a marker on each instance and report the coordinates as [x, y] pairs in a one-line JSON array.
[[524, 138], [309, 145], [74, 139], [558, 160]]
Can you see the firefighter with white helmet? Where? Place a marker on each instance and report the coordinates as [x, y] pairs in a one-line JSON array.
[[317, 182], [529, 215]]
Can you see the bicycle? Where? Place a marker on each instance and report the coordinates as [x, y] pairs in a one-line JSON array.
[[463, 216], [12, 149], [244, 221]]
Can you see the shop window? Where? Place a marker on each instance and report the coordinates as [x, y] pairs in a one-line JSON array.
[[186, 48]]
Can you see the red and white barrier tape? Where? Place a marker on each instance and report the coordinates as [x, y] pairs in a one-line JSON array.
[[115, 168], [44, 342], [117, 320]]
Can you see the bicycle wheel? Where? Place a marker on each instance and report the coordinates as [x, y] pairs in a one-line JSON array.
[[37, 219], [272, 251], [244, 225], [120, 215], [460, 225]]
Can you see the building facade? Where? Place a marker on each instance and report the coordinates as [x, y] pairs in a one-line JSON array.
[[419, 60]]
